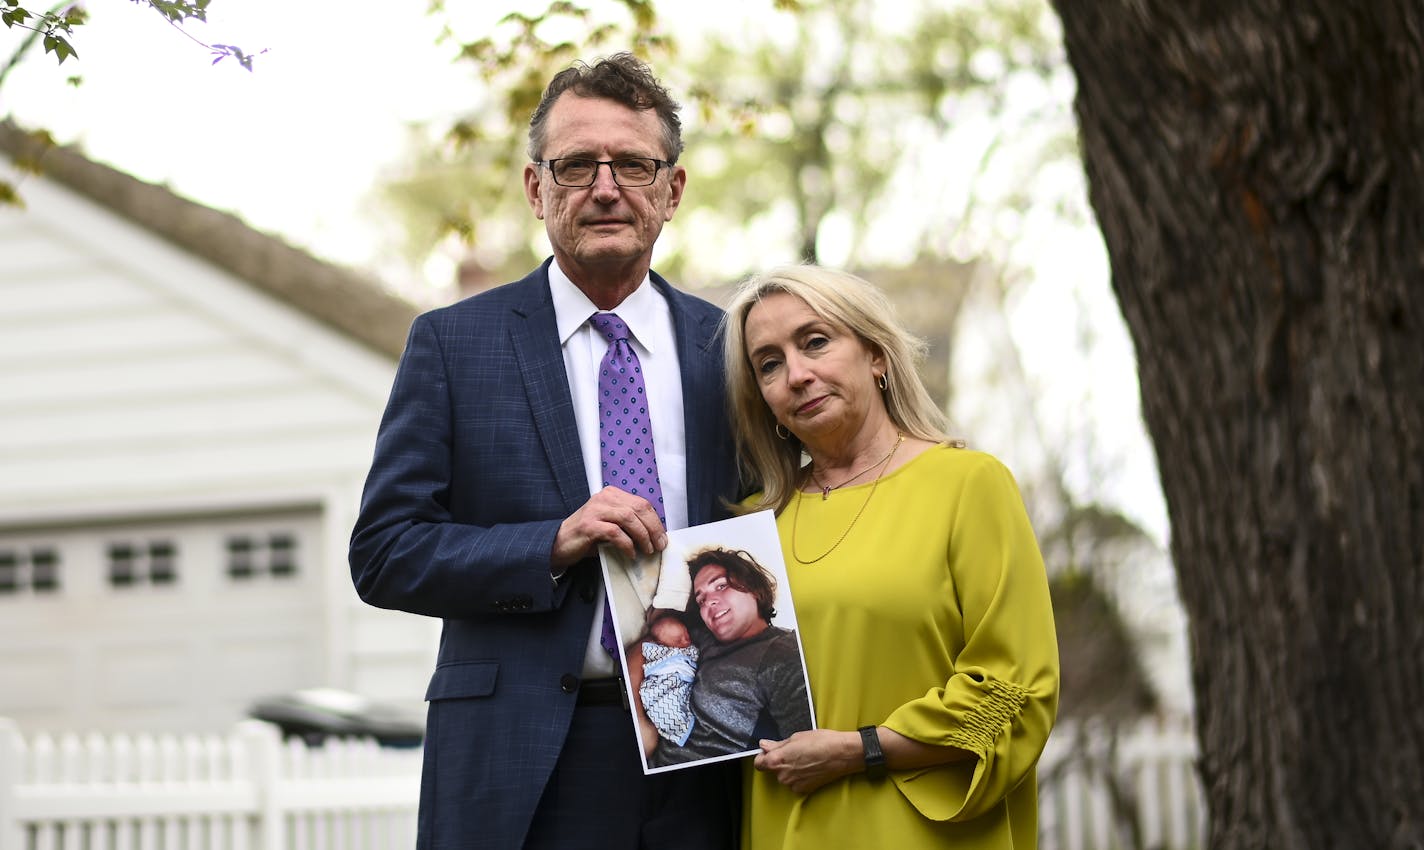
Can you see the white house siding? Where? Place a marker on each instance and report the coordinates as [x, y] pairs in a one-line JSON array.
[[148, 395]]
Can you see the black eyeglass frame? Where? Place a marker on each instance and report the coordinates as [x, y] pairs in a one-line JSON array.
[[658, 166]]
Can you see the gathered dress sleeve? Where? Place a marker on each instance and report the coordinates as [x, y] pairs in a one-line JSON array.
[[1000, 701]]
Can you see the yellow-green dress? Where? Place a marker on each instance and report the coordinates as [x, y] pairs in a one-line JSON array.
[[932, 618]]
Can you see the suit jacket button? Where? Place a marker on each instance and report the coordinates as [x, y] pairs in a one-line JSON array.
[[568, 683]]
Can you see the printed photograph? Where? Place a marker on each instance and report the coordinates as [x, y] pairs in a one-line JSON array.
[[708, 643]]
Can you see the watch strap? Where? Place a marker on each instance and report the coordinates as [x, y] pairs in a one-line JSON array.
[[874, 755]]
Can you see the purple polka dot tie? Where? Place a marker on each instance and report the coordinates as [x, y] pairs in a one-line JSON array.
[[625, 432]]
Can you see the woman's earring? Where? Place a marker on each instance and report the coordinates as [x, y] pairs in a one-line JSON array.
[[782, 432], [883, 382]]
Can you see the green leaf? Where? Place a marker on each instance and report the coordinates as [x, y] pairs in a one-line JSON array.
[[172, 11], [9, 196], [62, 48]]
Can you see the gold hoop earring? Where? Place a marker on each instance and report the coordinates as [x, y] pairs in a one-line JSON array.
[[782, 431], [883, 382]]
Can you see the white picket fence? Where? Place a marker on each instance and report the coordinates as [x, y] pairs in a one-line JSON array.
[[1133, 788], [245, 791], [249, 790]]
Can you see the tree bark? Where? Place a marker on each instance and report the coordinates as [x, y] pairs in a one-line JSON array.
[[1256, 170]]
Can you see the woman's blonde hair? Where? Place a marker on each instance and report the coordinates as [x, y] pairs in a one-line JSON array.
[[842, 299]]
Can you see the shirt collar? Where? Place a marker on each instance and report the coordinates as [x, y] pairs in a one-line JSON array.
[[572, 308]]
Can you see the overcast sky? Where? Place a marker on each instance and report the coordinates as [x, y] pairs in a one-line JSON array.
[[292, 147]]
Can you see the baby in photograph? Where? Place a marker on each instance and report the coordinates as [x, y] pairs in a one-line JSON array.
[[670, 666]]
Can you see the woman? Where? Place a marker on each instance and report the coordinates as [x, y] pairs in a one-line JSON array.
[[920, 592]]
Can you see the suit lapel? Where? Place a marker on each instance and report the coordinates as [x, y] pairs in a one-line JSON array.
[[534, 336], [699, 360]]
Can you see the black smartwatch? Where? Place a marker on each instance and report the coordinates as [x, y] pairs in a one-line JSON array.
[[874, 756]]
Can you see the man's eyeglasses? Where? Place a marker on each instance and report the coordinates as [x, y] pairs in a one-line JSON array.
[[628, 173]]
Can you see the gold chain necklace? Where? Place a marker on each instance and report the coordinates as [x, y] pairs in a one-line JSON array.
[[826, 491], [796, 515]]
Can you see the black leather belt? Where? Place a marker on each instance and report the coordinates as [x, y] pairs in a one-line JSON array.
[[593, 692]]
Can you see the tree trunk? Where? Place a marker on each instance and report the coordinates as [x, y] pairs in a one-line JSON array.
[[1256, 170]]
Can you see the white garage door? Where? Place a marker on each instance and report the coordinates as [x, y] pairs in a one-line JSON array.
[[158, 626]]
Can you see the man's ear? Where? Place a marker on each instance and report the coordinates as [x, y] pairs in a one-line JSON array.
[[677, 183], [534, 189]]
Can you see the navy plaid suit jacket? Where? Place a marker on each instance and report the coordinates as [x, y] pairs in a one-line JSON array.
[[477, 462]]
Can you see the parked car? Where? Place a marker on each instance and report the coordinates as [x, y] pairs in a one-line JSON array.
[[315, 714]]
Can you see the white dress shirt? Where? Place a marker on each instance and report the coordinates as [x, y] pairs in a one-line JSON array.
[[649, 321]]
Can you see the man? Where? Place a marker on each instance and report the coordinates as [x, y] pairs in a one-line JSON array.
[[486, 502]]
